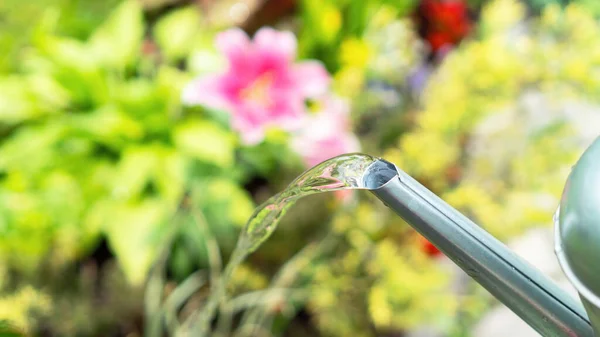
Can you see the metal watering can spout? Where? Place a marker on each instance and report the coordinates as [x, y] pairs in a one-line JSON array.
[[521, 287]]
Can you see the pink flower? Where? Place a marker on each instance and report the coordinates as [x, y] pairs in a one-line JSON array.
[[262, 86], [326, 134], [344, 196]]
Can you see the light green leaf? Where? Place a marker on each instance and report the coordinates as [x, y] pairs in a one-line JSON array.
[[170, 176], [205, 141], [134, 171], [135, 92], [133, 236], [170, 82], [70, 63], [117, 42], [31, 149], [205, 60], [28, 97], [175, 33], [226, 207], [16, 101], [67, 53], [222, 196], [8, 329], [49, 92], [108, 125]]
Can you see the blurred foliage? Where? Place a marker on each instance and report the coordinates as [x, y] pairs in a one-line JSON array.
[[8, 330], [19, 308], [496, 157], [328, 24], [94, 138], [378, 276], [375, 69], [95, 146], [75, 18]]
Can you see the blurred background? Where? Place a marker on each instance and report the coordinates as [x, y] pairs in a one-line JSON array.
[[137, 137]]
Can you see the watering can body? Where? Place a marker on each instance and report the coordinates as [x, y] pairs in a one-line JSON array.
[[522, 288], [577, 231]]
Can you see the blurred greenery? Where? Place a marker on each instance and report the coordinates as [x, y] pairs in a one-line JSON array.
[[328, 24], [74, 18], [110, 188]]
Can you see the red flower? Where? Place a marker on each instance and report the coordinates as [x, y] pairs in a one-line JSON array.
[[444, 22], [438, 40], [428, 248]]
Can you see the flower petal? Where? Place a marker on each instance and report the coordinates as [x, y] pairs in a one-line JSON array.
[[326, 134], [208, 91], [282, 43], [253, 137], [312, 78], [288, 113], [316, 150], [234, 44], [251, 133]]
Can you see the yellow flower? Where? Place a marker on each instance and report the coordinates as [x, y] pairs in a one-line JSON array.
[[355, 53], [349, 81], [332, 22], [501, 15]]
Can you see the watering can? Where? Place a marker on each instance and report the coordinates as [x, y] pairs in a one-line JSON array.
[[522, 288]]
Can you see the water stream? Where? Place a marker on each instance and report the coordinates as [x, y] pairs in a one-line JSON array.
[[346, 172]]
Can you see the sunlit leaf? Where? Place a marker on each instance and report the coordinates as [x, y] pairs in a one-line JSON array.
[[224, 195], [30, 149], [170, 176], [136, 96], [49, 93], [67, 52], [117, 42], [133, 235], [169, 84], [16, 101], [108, 125], [72, 64], [175, 33], [205, 141], [134, 171]]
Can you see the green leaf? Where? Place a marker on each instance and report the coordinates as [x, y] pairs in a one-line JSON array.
[[171, 81], [50, 94], [117, 42], [224, 195], [16, 101], [72, 64], [108, 125], [135, 95], [31, 148], [67, 53], [205, 60], [134, 172], [176, 32], [356, 17], [7, 329], [226, 207], [169, 84], [170, 176], [134, 233], [205, 141]]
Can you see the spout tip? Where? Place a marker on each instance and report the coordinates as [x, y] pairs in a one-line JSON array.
[[379, 174]]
